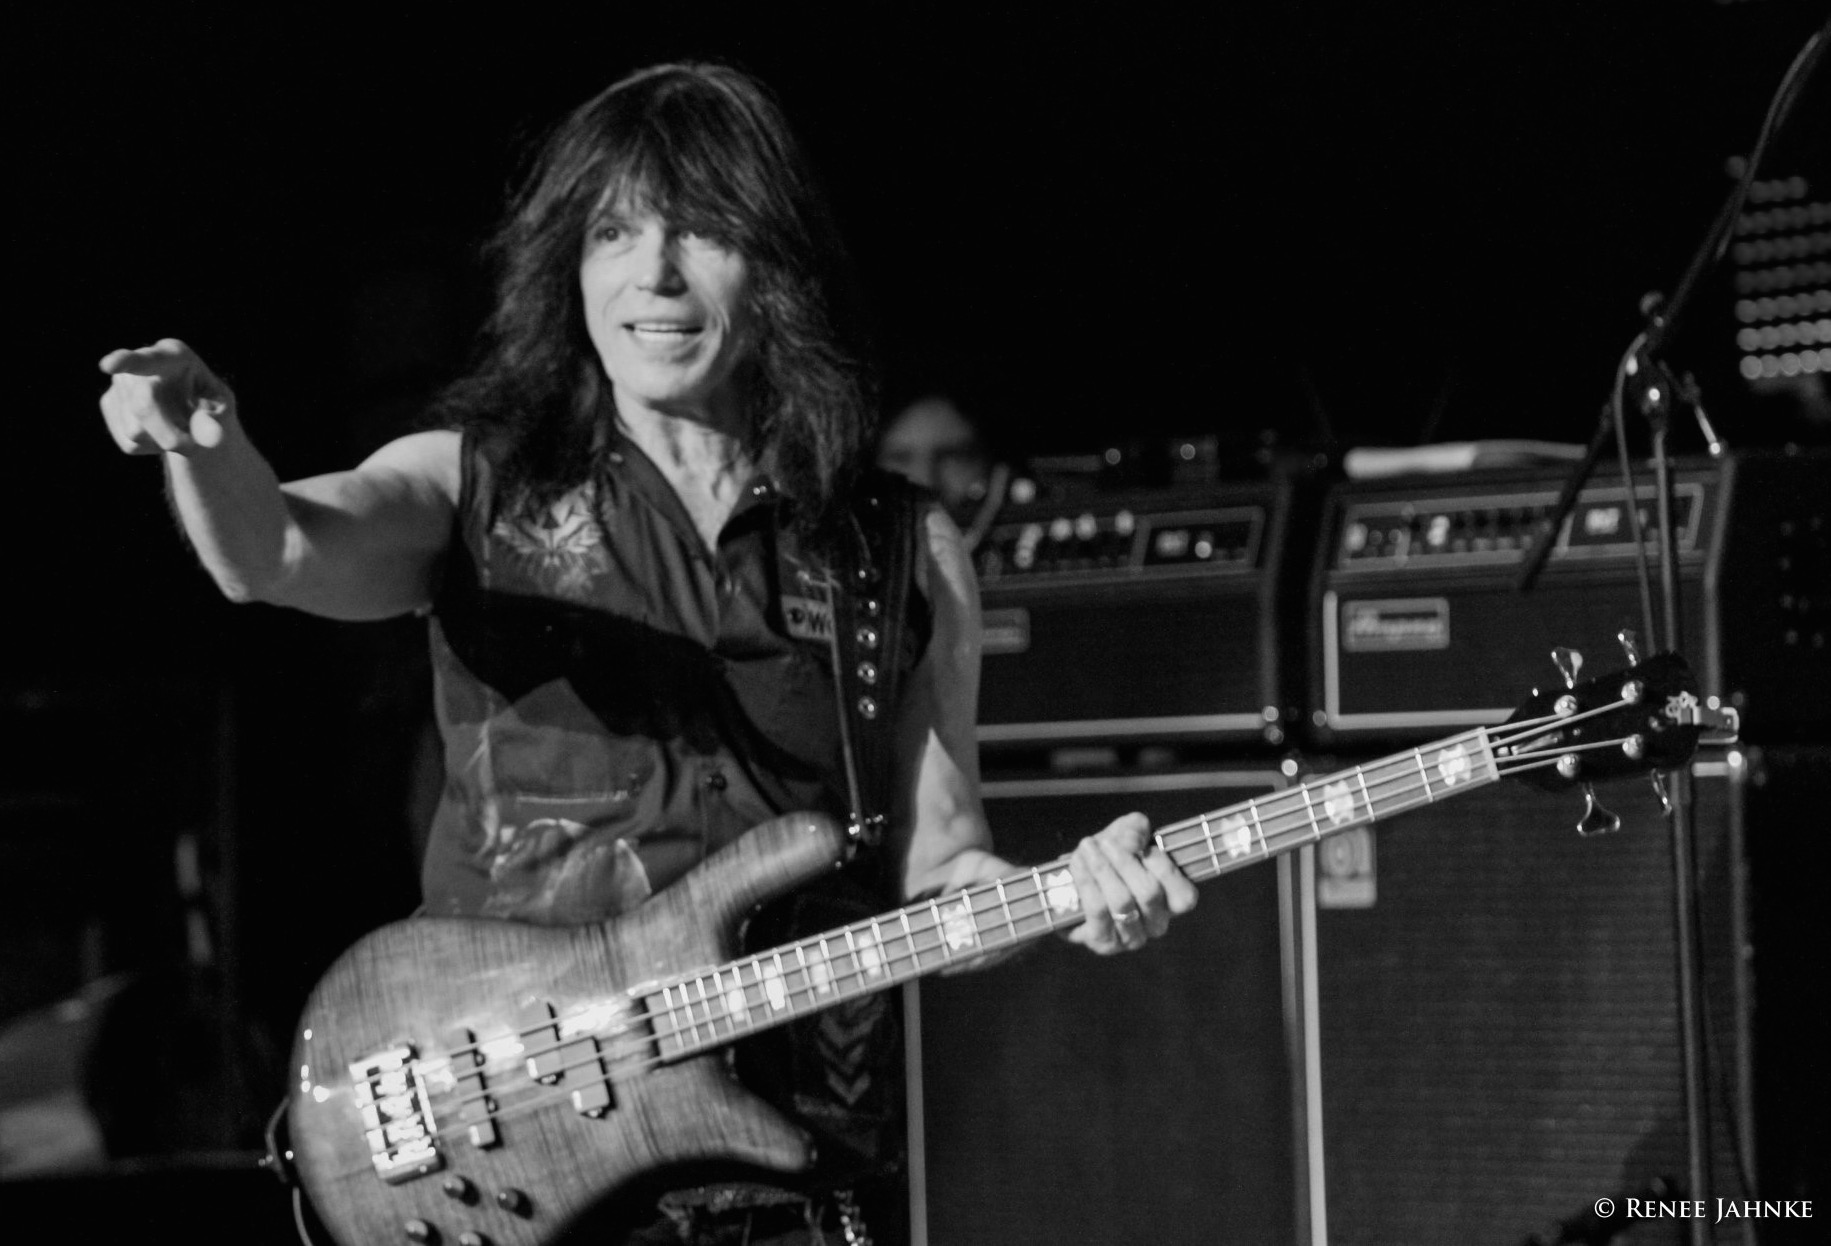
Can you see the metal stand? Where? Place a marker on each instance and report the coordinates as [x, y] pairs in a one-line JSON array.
[[1655, 391]]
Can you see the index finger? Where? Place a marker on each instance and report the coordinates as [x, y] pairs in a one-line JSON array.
[[163, 358]]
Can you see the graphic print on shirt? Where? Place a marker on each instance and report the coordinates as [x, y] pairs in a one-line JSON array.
[[560, 546], [545, 874]]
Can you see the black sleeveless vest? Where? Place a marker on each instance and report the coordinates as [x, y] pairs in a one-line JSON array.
[[617, 702]]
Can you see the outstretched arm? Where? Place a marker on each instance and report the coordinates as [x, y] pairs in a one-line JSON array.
[[939, 823], [359, 544]]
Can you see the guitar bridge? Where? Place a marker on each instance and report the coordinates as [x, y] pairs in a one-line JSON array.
[[396, 1115]]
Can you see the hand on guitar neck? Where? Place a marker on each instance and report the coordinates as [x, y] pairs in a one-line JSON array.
[[1129, 888]]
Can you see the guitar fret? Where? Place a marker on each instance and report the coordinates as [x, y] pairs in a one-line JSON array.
[[717, 1000], [1424, 772], [1024, 889], [686, 1008], [1258, 825], [753, 1006], [915, 953], [705, 1007], [1360, 773], [807, 977], [879, 951], [947, 951], [782, 978], [852, 951], [1004, 903], [667, 997], [825, 980], [1309, 811], [1214, 852]]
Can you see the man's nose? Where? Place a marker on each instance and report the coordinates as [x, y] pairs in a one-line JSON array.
[[658, 262]]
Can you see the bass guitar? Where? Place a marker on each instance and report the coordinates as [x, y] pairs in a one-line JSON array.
[[473, 1081]]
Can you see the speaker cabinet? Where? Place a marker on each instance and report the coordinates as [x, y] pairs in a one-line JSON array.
[[1497, 1010], [1147, 1097]]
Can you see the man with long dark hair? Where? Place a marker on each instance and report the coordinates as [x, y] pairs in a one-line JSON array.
[[667, 600]]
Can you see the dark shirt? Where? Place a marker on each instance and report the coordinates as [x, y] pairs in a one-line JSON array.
[[616, 700]]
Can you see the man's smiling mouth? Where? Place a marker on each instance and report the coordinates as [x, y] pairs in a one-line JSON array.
[[664, 330]]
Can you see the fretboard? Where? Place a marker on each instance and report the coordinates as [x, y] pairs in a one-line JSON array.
[[696, 1012]]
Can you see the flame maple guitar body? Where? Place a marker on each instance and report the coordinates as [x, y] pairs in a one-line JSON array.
[[434, 987]]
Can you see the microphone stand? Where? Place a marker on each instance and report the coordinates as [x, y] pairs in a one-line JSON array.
[[1655, 392]]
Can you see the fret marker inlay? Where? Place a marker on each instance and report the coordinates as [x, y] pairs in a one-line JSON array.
[[1060, 892], [869, 957], [1236, 836], [1338, 803], [773, 989], [957, 927], [819, 970], [1453, 765]]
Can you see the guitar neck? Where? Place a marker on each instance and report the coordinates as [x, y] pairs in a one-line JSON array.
[[696, 1012]]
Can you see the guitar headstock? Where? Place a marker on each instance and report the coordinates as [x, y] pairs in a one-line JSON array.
[[1647, 717]]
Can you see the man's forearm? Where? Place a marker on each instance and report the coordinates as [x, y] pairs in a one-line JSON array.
[[228, 502]]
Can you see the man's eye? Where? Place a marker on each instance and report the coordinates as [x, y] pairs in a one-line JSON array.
[[606, 233]]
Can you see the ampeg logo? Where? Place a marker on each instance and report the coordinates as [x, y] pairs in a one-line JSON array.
[[1385, 626]]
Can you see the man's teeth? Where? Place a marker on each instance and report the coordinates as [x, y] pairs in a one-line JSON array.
[[676, 330]]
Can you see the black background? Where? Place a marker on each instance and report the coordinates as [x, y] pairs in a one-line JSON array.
[[1339, 224]]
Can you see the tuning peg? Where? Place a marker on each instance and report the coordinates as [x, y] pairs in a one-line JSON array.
[[1659, 789], [1630, 645], [1596, 820], [1569, 662]]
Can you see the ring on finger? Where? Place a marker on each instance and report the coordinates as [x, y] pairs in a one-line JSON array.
[[1125, 921]]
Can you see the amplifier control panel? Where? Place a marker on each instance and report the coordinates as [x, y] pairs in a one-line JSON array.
[[1120, 543], [1488, 528]]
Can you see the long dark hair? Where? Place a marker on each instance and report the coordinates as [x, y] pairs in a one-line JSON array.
[[707, 148]]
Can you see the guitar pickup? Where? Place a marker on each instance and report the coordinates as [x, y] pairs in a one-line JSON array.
[[577, 1057], [396, 1113], [593, 1098]]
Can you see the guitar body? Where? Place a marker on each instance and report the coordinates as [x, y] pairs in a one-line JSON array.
[[438, 986]]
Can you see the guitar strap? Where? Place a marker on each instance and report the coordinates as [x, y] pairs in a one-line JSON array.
[[839, 1072], [871, 621]]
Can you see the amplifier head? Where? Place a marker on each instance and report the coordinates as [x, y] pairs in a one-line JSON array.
[[1136, 614]]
